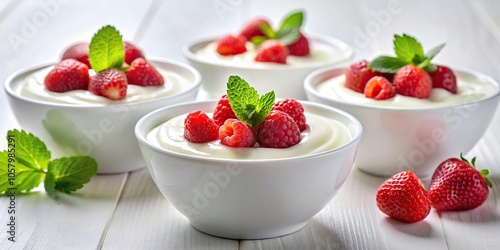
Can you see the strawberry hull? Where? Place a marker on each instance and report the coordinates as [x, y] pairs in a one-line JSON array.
[[412, 137]]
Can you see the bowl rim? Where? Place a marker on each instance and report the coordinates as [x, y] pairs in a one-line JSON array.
[[310, 90], [141, 134], [8, 88], [187, 51]]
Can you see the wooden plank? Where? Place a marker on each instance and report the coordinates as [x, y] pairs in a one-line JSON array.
[[144, 219], [353, 221], [75, 221]]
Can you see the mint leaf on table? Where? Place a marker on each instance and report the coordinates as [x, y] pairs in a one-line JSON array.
[[70, 173], [106, 49], [31, 159], [30, 164], [245, 101]]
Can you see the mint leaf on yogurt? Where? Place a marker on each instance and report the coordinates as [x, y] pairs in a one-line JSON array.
[[246, 103], [106, 49], [408, 50]]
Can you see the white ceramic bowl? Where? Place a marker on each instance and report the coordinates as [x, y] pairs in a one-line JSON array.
[[416, 139], [248, 199], [105, 132], [286, 80]]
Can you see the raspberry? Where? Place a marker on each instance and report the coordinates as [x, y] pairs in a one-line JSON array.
[[235, 133], [278, 130], [223, 111], [294, 109], [198, 127], [379, 88]]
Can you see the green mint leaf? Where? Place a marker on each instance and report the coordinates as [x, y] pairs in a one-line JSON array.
[[267, 30], [50, 184], [408, 49], [258, 40], [29, 158], [245, 101], [288, 36], [434, 51], [387, 64], [426, 63], [293, 21], [266, 103], [70, 173], [106, 49]]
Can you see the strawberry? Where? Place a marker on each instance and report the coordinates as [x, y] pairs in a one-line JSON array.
[[272, 51], [278, 130], [299, 47], [199, 128], [252, 28], [223, 111], [142, 73], [79, 52], [69, 74], [403, 197], [379, 88], [444, 78], [109, 83], [457, 185], [131, 52], [358, 74], [235, 133], [294, 109], [231, 45], [412, 81]]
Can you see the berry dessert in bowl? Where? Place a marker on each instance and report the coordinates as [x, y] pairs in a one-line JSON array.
[[247, 166], [273, 59], [414, 113], [89, 102]]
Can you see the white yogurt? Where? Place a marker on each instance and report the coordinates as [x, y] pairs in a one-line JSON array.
[[320, 53], [322, 134], [470, 89], [34, 88]]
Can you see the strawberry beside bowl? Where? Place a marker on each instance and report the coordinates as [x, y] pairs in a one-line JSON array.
[[247, 193], [285, 79], [86, 124], [406, 133]]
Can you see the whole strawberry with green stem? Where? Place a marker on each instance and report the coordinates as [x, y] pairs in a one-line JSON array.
[[415, 82], [457, 185]]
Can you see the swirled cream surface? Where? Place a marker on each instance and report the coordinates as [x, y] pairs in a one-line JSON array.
[[470, 89], [322, 134], [33, 87], [320, 53]]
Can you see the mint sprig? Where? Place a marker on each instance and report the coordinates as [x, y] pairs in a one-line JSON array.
[[106, 49], [408, 50], [287, 33], [246, 103], [31, 160]]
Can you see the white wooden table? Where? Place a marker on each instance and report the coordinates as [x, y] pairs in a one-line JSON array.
[[126, 211]]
